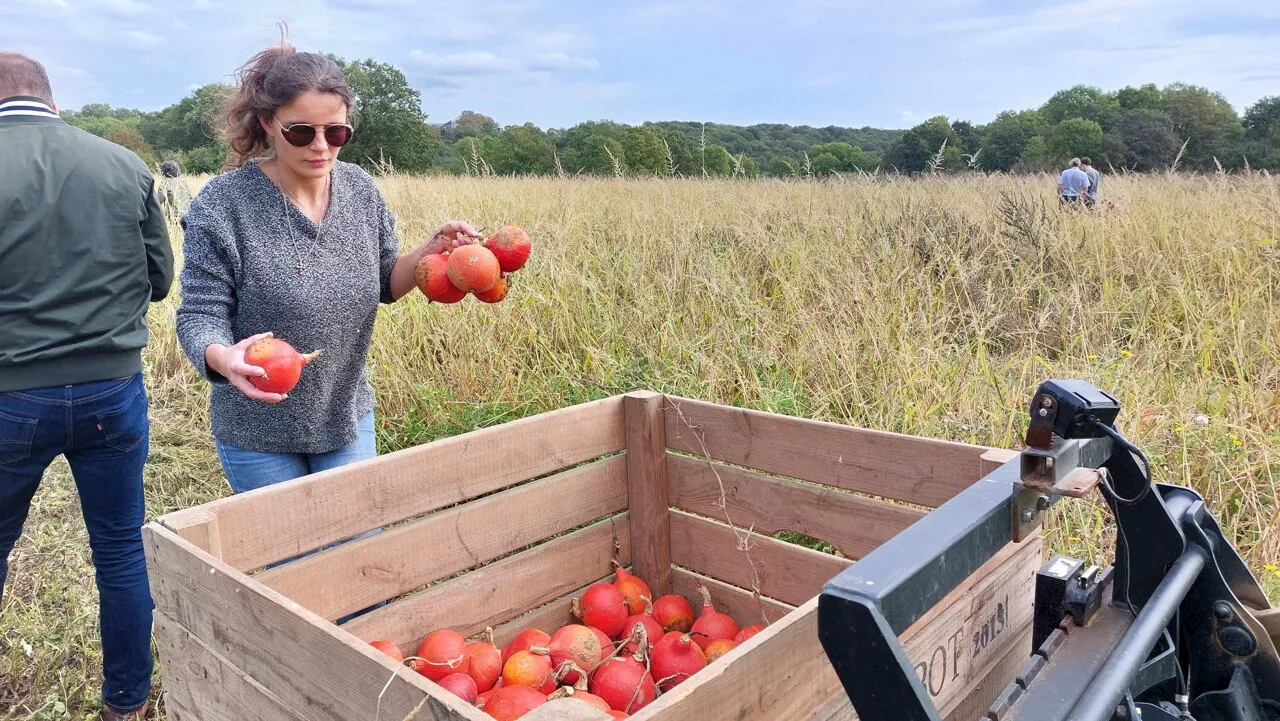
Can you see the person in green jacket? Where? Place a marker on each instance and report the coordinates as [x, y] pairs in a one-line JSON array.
[[84, 251]]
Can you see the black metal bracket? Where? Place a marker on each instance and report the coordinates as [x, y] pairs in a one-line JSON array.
[[862, 611], [1176, 580]]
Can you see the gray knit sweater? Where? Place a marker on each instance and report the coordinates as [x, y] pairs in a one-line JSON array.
[[240, 278]]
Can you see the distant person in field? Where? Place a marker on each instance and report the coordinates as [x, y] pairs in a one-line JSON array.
[[1072, 184], [295, 243], [174, 193], [85, 252], [1091, 195]]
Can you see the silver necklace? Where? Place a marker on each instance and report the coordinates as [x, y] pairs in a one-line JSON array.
[[301, 267]]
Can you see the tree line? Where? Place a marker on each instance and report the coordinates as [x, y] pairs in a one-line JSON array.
[[1140, 129]]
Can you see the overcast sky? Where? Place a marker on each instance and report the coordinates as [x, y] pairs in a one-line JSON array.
[[559, 62]]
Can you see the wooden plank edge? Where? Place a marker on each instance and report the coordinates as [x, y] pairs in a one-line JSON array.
[[647, 490], [953, 478], [199, 526], [780, 565], [853, 522], [393, 620], [548, 617], [197, 677], [404, 688], [315, 530], [353, 567], [738, 602]]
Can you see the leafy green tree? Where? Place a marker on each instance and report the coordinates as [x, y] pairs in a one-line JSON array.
[[824, 163], [1081, 101], [206, 158], [1148, 139], [678, 150], [189, 123], [1261, 117], [1004, 138], [1262, 132], [716, 160], [1077, 137], [102, 126], [840, 158], [970, 136], [469, 124], [916, 149], [390, 124], [782, 167], [1146, 97], [644, 151], [472, 155], [598, 156], [521, 149], [765, 141], [134, 141], [1208, 123], [1035, 156]]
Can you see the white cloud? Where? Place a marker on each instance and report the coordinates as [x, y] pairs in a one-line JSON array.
[[552, 62], [476, 62], [371, 4], [142, 38], [121, 7]]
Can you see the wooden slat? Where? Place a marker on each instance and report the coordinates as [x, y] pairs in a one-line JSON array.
[[737, 602], [647, 489], [201, 529], [996, 457], [355, 575], [313, 667], [205, 686], [499, 591], [906, 468], [286, 519], [975, 703], [790, 573], [993, 682], [566, 709], [854, 524], [788, 673], [547, 617]]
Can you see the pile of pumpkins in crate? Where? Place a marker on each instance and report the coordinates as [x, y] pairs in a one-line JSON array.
[[627, 650]]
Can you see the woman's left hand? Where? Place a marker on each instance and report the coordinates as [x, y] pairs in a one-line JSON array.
[[454, 234]]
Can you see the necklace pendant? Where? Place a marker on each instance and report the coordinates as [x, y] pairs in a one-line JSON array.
[[301, 268]]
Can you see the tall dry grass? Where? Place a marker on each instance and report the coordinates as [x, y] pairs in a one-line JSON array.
[[930, 306]]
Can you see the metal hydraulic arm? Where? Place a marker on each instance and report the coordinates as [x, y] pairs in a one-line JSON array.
[[1168, 631]]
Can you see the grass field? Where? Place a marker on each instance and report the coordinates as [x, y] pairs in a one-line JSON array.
[[931, 307]]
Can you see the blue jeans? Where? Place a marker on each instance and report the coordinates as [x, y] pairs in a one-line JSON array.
[[102, 429], [247, 470]]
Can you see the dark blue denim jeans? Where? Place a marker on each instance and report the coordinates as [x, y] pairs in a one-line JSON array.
[[102, 429]]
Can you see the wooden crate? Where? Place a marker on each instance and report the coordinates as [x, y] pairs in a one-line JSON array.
[[502, 527]]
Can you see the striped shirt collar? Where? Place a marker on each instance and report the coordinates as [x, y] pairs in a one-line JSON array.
[[22, 105]]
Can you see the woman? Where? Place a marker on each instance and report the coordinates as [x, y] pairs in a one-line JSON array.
[[291, 242]]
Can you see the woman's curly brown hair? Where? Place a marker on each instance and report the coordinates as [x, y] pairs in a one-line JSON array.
[[271, 79]]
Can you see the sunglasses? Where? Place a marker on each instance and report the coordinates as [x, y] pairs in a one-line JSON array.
[[302, 134]]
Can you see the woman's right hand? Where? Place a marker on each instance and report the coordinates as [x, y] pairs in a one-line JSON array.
[[229, 361]]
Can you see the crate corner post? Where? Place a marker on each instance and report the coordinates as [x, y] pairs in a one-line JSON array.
[[647, 492]]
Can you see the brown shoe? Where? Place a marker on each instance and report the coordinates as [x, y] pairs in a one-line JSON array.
[[110, 714]]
